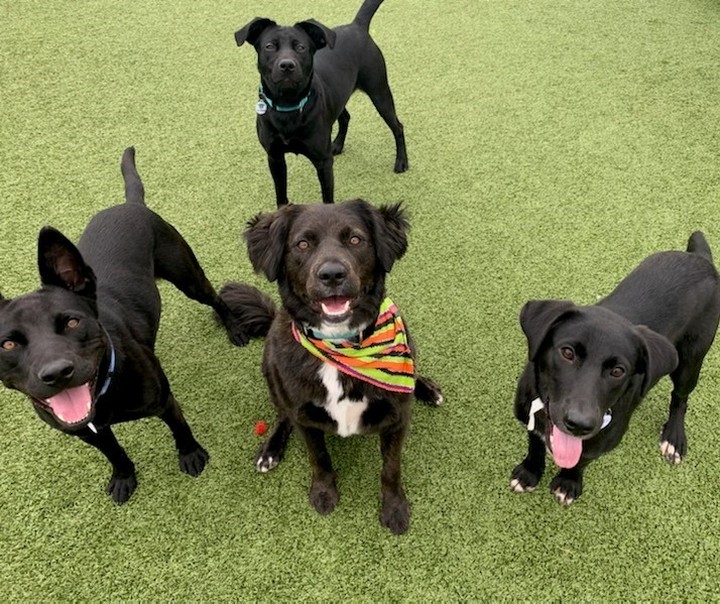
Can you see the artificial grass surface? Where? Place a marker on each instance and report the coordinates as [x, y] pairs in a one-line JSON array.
[[552, 144]]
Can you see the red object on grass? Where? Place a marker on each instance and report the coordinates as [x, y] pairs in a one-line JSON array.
[[260, 428]]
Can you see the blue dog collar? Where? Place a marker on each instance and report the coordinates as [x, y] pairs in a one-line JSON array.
[[265, 101], [108, 376], [111, 367]]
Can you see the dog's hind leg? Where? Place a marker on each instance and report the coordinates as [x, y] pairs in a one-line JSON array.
[[339, 142], [192, 456], [427, 391], [374, 83], [123, 481], [176, 262], [273, 449]]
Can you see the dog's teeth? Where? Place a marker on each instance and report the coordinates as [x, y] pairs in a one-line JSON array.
[[92, 427]]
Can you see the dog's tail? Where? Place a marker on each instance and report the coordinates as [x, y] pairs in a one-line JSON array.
[[366, 13], [697, 244], [134, 190], [250, 312]]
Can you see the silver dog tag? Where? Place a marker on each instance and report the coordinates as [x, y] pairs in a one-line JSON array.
[[261, 107]]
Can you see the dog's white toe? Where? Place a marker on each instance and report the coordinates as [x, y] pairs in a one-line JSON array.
[[265, 464], [518, 487], [667, 450], [562, 497]]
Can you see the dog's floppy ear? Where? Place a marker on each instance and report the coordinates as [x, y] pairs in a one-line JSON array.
[[389, 227], [659, 355], [61, 264], [319, 34], [266, 237], [538, 317], [251, 32]]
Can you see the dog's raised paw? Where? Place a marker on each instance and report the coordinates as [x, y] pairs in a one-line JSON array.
[[670, 453], [120, 488], [194, 462]]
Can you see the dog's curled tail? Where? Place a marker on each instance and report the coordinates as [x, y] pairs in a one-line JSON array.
[[366, 13], [697, 244], [248, 314], [134, 190]]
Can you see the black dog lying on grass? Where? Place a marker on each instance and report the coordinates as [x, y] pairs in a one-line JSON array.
[[302, 94], [590, 366], [337, 357], [81, 347]]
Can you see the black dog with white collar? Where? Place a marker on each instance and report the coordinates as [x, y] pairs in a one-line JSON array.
[[590, 366], [308, 73]]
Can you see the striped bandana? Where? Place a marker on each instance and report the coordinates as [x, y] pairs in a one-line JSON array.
[[383, 358]]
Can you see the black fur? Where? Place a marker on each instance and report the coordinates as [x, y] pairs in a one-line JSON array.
[[61, 336], [326, 66], [296, 246], [586, 362]]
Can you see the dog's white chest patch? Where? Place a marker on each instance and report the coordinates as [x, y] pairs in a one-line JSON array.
[[346, 412]]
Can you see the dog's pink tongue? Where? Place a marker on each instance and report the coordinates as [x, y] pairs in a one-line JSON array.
[[566, 449], [71, 405]]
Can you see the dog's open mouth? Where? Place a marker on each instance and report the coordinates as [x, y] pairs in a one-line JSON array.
[[72, 406], [336, 308]]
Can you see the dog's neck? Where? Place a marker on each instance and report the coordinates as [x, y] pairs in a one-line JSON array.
[[110, 372], [335, 332], [278, 103]]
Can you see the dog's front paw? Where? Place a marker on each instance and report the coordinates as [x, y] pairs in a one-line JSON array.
[[121, 486], [194, 462], [267, 458], [673, 443], [524, 480], [395, 513], [324, 496], [566, 489], [428, 391]]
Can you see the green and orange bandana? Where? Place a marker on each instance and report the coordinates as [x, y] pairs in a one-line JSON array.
[[383, 358]]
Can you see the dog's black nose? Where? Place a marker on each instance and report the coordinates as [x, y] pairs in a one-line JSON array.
[[287, 65], [332, 273], [55, 372], [578, 423]]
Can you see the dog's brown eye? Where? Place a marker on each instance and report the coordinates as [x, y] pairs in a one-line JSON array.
[[303, 245], [72, 323], [270, 46], [617, 372], [8, 345], [355, 240], [567, 353], [300, 47]]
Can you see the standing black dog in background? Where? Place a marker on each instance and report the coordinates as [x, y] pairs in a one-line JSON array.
[[81, 347], [590, 366], [307, 74]]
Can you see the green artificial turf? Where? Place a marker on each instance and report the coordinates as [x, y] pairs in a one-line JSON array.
[[552, 144]]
